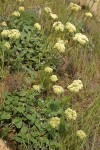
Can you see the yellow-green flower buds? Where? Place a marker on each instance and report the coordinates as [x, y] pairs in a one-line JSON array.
[[81, 134], [54, 122], [16, 14], [53, 78], [48, 70], [58, 89], [37, 26], [70, 114]]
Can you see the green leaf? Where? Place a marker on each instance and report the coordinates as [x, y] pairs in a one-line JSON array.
[[21, 109], [24, 129], [18, 122], [38, 125], [27, 109], [4, 132], [5, 116], [18, 139], [35, 134], [31, 117]]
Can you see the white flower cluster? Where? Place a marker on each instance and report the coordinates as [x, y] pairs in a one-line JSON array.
[[37, 26], [58, 26], [58, 89], [48, 70], [88, 14], [81, 134], [5, 33], [21, 8], [36, 88], [81, 38], [7, 45], [47, 10], [12, 34], [20, 1], [70, 114], [53, 78], [53, 16], [3, 24], [16, 14], [54, 122], [74, 7], [60, 46], [70, 27], [75, 86]]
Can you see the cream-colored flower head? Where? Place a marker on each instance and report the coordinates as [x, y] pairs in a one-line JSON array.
[[53, 78], [37, 26], [53, 16], [47, 10], [60, 41], [20, 1], [70, 114], [14, 34], [7, 45], [89, 15], [74, 7], [58, 89], [70, 27], [81, 134], [48, 70], [81, 38], [75, 86], [54, 122], [58, 26], [59, 46], [3, 24], [36, 88], [5, 33], [16, 14], [21, 8]]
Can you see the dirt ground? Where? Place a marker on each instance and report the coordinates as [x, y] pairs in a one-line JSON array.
[[3, 145]]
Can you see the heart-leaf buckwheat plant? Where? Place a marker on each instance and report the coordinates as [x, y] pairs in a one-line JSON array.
[[40, 115]]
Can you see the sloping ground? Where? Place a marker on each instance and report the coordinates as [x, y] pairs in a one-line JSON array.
[[3, 146]]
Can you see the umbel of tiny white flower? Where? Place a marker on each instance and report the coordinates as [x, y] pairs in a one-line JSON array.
[[5, 33], [59, 46], [70, 27], [53, 16], [14, 34], [47, 10], [20, 1], [70, 114], [88, 14], [7, 45], [3, 24], [81, 38], [16, 14], [21, 8], [81, 134], [58, 89], [37, 26], [48, 70], [75, 86], [74, 7], [36, 88], [58, 26], [53, 78], [54, 122]]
